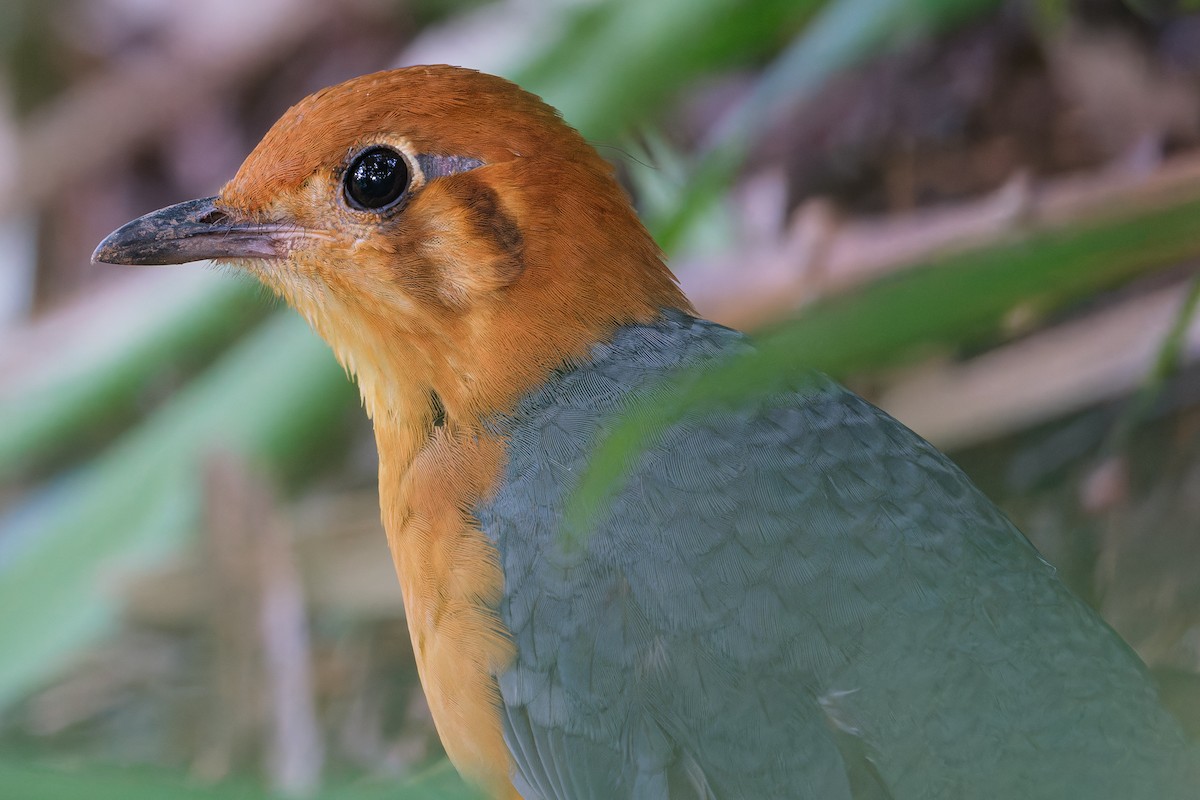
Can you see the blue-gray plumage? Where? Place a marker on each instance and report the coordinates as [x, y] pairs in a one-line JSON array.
[[797, 597]]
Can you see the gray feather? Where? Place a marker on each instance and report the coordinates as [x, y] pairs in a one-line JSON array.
[[797, 597]]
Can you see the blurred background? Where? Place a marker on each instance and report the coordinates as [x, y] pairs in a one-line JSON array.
[[984, 216]]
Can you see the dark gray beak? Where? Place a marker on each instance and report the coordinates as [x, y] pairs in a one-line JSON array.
[[191, 231]]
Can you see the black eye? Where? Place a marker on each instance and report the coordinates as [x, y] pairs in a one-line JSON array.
[[376, 179]]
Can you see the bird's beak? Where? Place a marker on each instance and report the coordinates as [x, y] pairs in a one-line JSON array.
[[191, 231]]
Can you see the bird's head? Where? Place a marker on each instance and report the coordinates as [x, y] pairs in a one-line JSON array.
[[445, 231]]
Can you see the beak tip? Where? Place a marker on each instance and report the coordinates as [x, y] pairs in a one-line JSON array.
[[183, 233], [122, 247], [104, 253]]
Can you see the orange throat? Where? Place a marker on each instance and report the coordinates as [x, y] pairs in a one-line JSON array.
[[451, 580]]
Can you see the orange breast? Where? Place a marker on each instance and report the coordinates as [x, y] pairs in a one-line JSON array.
[[451, 579]]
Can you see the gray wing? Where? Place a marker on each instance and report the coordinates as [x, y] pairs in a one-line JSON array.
[[799, 598]]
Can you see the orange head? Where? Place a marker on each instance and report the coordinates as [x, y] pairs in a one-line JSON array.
[[445, 231]]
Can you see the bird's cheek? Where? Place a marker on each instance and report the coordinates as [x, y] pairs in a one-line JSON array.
[[466, 240], [462, 266], [464, 275]]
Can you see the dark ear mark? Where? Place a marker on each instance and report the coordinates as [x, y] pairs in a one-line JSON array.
[[474, 245], [490, 222]]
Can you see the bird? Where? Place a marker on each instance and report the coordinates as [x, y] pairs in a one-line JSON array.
[[792, 595]]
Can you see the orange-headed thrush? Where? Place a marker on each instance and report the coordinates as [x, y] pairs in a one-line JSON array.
[[795, 596]]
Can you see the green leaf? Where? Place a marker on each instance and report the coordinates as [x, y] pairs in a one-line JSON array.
[[276, 397], [845, 33], [102, 377], [954, 300], [40, 782], [617, 62]]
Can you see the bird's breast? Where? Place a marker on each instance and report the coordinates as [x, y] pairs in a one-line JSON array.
[[451, 580]]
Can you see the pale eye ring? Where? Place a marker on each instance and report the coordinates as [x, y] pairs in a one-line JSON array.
[[376, 179]]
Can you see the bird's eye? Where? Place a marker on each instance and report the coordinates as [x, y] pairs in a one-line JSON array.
[[376, 179]]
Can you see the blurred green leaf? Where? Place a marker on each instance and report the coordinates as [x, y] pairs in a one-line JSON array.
[[950, 301], [194, 319], [845, 33], [658, 174], [36, 782], [276, 397], [616, 62], [1167, 362]]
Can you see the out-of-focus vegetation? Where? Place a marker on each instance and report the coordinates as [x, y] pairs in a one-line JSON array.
[[982, 215]]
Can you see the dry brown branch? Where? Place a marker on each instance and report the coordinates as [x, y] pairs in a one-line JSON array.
[[263, 671], [819, 255], [1062, 369], [342, 555]]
